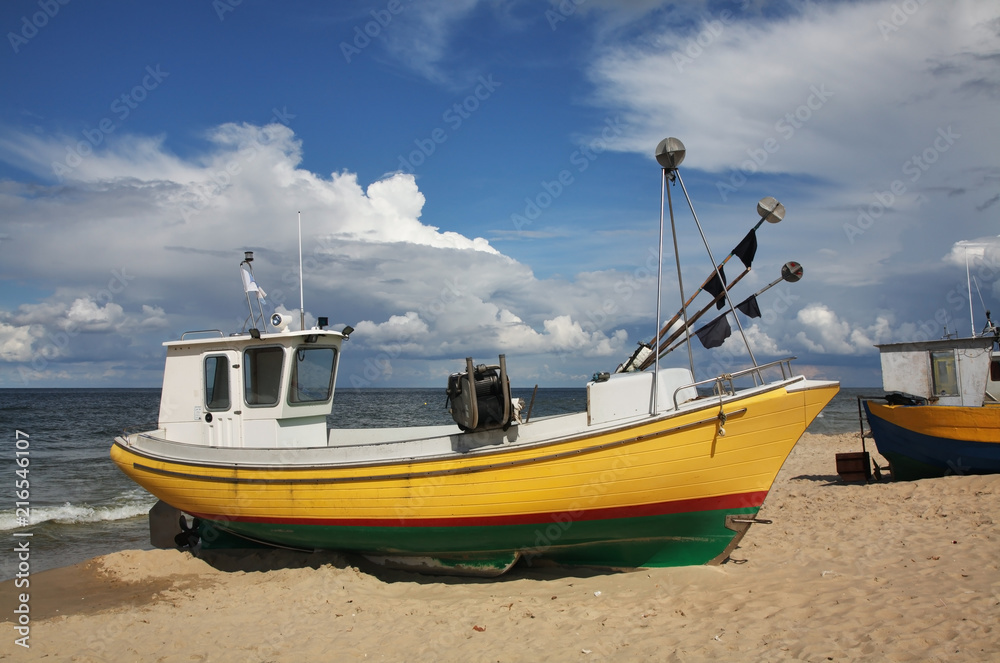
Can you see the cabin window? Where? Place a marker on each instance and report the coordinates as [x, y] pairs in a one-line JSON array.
[[312, 375], [217, 382], [262, 375], [995, 370], [944, 373]]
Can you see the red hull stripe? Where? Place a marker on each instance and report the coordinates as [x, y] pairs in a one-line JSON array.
[[737, 501]]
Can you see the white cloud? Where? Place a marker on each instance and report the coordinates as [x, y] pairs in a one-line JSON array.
[[976, 253], [826, 333], [422, 33], [15, 343], [154, 245], [86, 315], [408, 327], [153, 317]]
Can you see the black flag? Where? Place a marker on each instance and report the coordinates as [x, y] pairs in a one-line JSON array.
[[715, 288], [747, 248], [749, 307], [714, 333]]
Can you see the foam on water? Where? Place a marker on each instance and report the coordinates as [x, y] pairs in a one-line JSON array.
[[137, 503]]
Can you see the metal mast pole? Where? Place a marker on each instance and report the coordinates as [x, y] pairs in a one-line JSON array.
[[659, 285], [669, 154], [680, 284]]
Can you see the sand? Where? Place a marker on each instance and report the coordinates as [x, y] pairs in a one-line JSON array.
[[883, 571]]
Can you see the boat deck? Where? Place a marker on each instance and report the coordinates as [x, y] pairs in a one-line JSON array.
[[373, 446]]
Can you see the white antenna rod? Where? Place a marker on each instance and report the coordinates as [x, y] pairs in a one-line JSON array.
[[302, 294], [972, 320]]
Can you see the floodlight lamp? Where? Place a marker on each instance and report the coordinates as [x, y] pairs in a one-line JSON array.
[[670, 153]]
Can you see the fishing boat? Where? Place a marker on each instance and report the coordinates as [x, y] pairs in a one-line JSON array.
[[661, 469], [938, 416]]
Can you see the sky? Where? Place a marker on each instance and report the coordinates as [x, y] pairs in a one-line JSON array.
[[477, 177]]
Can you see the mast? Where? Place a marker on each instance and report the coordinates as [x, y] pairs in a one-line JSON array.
[[669, 154]]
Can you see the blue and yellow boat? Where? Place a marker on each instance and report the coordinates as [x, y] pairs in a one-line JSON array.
[[939, 417]]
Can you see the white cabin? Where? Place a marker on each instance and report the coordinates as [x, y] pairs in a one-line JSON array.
[[947, 371], [269, 391]]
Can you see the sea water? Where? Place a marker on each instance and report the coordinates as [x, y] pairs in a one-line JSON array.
[[80, 504]]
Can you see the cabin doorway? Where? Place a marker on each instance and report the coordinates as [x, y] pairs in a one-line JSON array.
[[223, 420]]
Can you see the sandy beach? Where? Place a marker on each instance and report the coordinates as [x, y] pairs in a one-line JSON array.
[[845, 572]]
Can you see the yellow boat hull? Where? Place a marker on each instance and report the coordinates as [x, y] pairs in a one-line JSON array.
[[656, 492]]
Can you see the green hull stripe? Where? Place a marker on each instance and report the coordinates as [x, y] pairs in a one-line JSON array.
[[663, 540]]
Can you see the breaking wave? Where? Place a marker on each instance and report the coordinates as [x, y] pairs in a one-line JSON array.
[[130, 507]]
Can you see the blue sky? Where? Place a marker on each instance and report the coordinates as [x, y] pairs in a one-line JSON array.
[[477, 177]]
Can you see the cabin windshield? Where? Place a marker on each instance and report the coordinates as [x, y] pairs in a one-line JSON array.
[[312, 375], [262, 375], [944, 373]]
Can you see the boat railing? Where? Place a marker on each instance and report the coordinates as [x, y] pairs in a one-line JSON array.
[[203, 331], [723, 384]]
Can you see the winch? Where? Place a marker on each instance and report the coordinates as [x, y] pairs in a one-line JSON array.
[[479, 398]]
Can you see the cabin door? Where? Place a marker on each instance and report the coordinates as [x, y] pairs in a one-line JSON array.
[[222, 417]]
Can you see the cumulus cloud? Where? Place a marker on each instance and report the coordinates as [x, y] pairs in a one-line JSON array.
[[15, 343], [982, 252], [149, 242], [826, 333]]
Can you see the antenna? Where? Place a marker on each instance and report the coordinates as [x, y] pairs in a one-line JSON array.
[[302, 285]]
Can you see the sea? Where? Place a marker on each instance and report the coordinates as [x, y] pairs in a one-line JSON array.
[[76, 504]]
